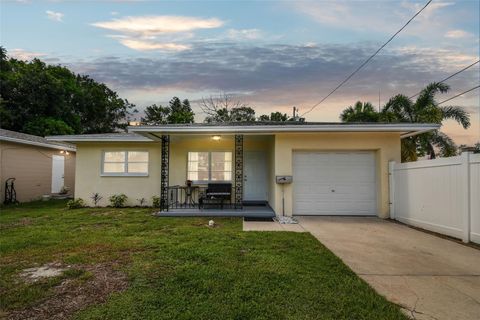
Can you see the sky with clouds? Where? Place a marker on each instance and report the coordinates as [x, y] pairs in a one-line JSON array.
[[271, 54]]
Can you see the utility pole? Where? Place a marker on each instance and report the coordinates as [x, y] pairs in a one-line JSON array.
[[378, 99], [296, 117]]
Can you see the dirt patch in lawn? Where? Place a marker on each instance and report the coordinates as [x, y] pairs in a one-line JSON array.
[[73, 295], [47, 271]]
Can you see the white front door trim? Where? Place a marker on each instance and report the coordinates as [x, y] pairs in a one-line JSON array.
[[58, 173]]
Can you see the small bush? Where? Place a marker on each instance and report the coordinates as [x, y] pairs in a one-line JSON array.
[[76, 204], [156, 201], [96, 197], [118, 200]]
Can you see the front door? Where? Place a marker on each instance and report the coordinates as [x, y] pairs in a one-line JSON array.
[[255, 176], [58, 171]]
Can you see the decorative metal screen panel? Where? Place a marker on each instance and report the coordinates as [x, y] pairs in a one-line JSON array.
[[238, 171], [164, 172]]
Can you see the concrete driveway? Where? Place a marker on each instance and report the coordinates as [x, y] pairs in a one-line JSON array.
[[430, 277]]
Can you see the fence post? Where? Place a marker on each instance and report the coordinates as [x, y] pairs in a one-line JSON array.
[[391, 188], [465, 172]]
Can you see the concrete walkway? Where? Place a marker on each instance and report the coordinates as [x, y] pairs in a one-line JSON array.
[[430, 277]]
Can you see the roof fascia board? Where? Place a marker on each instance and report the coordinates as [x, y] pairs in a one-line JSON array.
[[279, 129]]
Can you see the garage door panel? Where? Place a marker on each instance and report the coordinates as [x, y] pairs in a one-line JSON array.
[[353, 191], [334, 183], [334, 208], [311, 188]]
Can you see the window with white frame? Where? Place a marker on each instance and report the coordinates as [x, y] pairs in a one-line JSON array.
[[125, 163], [209, 166]]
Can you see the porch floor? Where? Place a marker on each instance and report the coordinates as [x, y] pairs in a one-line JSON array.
[[246, 212]]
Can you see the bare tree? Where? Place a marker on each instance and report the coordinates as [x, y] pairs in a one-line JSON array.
[[226, 108]]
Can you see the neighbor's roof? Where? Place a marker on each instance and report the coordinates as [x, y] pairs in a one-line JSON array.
[[152, 133], [18, 137], [107, 137]]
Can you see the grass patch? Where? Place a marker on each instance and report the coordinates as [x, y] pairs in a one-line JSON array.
[[178, 268]]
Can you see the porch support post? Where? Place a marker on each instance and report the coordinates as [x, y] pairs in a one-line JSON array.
[[238, 171], [164, 173]]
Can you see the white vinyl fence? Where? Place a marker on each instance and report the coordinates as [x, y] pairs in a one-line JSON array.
[[441, 195]]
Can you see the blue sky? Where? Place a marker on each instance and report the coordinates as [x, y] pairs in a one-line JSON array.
[[271, 54]]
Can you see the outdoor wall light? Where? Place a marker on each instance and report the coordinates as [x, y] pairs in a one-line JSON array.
[[216, 138], [62, 151]]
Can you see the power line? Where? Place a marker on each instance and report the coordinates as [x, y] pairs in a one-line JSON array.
[[453, 75], [368, 60], [458, 95]]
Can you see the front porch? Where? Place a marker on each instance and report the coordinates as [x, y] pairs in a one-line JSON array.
[[194, 164]]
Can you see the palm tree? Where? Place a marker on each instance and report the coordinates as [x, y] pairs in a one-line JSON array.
[[360, 112], [425, 109]]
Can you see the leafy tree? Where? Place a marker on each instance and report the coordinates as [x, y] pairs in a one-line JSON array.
[[34, 90], [155, 115], [274, 117], [360, 112], [101, 109], [176, 112], [264, 117], [47, 127], [180, 112], [242, 114]]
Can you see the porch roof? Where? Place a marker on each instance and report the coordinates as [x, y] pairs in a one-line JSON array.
[[154, 131]]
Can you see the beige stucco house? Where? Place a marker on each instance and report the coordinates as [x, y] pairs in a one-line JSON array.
[[291, 168], [39, 167]]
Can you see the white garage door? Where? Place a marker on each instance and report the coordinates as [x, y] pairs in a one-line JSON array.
[[334, 183]]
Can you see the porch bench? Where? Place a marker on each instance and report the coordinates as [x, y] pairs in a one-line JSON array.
[[216, 194]]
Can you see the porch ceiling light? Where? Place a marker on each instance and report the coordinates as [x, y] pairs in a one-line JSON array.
[[216, 138]]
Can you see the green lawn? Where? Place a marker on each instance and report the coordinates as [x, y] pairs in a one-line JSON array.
[[177, 268]]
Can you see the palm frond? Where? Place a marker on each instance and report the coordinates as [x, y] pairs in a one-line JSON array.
[[401, 106], [388, 116], [429, 114], [456, 113], [447, 147], [359, 112], [346, 114], [434, 87], [409, 149], [427, 95]]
